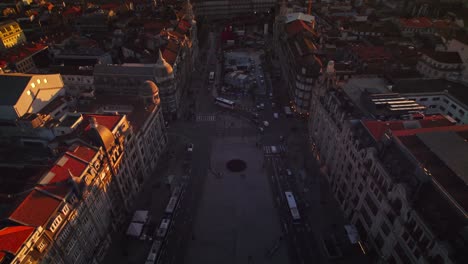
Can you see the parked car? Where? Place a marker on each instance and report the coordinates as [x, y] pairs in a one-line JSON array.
[[265, 123], [275, 115]]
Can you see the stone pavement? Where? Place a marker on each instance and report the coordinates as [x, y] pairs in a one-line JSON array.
[[236, 220], [316, 192]]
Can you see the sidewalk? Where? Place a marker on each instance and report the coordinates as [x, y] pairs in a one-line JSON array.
[[316, 193], [153, 197]]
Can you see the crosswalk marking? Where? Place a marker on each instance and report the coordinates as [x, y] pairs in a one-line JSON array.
[[206, 118], [268, 150]]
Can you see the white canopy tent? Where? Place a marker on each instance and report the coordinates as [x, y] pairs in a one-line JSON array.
[[140, 216], [134, 229]]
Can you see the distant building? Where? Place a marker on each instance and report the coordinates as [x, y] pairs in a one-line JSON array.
[[439, 96], [413, 26], [219, 8], [27, 93], [126, 79], [294, 36], [78, 51], [440, 64], [11, 35], [21, 59]]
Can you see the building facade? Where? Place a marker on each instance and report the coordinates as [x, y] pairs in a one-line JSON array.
[[439, 64], [224, 8], [295, 48], [380, 174], [11, 35]]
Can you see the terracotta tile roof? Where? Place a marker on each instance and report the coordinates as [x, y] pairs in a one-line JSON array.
[[15, 55], [74, 10], [57, 180], [82, 152], [420, 22], [298, 26], [12, 238], [378, 128], [109, 121], [367, 53], [36, 209], [169, 56]]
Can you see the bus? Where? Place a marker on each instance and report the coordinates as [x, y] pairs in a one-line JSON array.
[[171, 205], [211, 77], [293, 207], [225, 103], [154, 252]]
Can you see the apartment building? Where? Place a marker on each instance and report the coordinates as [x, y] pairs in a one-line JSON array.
[[11, 35], [397, 178], [86, 187], [439, 96], [27, 93], [440, 64], [296, 47], [230, 8]]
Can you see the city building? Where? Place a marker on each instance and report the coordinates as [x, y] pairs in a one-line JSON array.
[[128, 79], [27, 93], [78, 81], [222, 9], [397, 178], [295, 39], [145, 114], [78, 51], [413, 26], [440, 64], [11, 35], [21, 59], [439, 96]]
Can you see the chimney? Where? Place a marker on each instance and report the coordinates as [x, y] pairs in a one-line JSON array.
[[93, 122]]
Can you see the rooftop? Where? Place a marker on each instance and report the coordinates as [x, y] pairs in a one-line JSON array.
[[11, 88], [442, 152], [36, 209], [445, 56], [421, 22], [12, 238], [378, 128], [459, 91], [17, 54], [368, 53]]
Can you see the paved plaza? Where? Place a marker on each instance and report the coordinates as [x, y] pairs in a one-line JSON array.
[[236, 220]]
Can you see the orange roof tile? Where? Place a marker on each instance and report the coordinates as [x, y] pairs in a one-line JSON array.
[[12, 238], [109, 121], [36, 209], [82, 152], [417, 22], [169, 56]]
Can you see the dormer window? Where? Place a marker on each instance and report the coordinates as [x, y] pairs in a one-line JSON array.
[[41, 246], [73, 199], [65, 210], [56, 223]]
